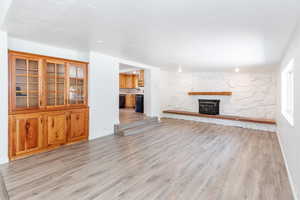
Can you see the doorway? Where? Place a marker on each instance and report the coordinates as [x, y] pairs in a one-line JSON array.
[[131, 93]]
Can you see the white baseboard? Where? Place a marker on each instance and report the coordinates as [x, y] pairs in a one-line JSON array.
[[287, 167], [3, 161]]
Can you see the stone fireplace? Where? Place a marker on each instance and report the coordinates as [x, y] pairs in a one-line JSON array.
[[209, 106]]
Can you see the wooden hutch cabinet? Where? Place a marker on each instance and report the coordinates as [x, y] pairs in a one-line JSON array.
[[48, 103]]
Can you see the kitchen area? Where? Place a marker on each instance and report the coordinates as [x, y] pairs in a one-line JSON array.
[[131, 97]]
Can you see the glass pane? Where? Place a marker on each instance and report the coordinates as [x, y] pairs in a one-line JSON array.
[[60, 99], [55, 84], [73, 71], [21, 67], [72, 92], [33, 83], [27, 83], [51, 91], [33, 100], [33, 67], [60, 89], [51, 85], [21, 83], [80, 91], [60, 70], [50, 69], [76, 87], [51, 99], [79, 72], [60, 84], [21, 101]]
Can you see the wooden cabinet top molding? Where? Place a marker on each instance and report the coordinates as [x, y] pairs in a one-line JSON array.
[[12, 52]]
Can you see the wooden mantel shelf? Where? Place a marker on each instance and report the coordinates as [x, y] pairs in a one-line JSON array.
[[224, 117], [211, 93]]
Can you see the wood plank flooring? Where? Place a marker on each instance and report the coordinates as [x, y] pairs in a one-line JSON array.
[[179, 160], [128, 115], [3, 190]]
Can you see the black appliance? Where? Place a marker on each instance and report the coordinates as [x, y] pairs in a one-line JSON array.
[[139, 103], [122, 101]]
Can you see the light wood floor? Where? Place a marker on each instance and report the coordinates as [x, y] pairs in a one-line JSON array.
[[129, 115], [179, 160]]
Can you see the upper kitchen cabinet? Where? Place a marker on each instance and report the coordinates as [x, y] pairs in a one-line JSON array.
[[141, 78], [43, 83], [122, 81], [25, 82], [77, 84], [128, 81]]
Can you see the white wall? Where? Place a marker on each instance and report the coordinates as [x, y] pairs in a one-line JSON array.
[[103, 94], [3, 98], [254, 94], [47, 50], [290, 136], [4, 6]]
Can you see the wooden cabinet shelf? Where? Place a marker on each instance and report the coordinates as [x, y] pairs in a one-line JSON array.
[[28, 75], [44, 95]]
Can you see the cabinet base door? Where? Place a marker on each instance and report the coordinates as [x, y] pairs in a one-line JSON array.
[[78, 125], [56, 129], [26, 134]]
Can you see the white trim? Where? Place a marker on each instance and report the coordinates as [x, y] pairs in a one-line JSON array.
[[287, 167], [4, 161], [287, 91], [4, 98]]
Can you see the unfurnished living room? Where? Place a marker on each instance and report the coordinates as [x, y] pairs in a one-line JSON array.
[[149, 100]]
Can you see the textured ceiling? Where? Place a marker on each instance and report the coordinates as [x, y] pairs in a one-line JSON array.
[[163, 33]]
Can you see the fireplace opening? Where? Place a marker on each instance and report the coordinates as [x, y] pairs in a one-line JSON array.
[[209, 106]]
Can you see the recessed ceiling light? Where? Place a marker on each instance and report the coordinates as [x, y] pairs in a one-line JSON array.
[[99, 41], [179, 69], [237, 69]]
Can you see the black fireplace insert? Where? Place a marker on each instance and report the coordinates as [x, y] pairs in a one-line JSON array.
[[209, 106]]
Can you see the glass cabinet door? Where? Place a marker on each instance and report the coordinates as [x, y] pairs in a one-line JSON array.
[[26, 77], [76, 84], [55, 83]]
